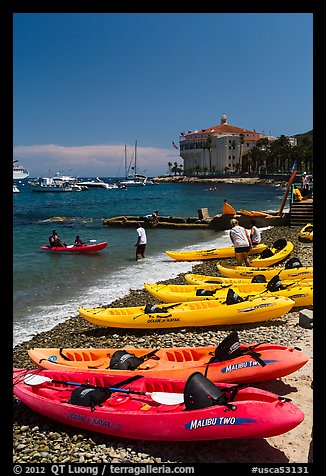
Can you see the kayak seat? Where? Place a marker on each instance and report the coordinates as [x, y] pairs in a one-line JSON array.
[[48, 393]]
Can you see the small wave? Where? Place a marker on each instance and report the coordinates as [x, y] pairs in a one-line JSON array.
[[158, 267]]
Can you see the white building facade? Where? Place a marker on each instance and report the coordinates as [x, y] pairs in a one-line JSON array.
[[218, 149]]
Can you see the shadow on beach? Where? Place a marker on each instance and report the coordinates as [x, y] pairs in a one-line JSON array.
[[218, 451]]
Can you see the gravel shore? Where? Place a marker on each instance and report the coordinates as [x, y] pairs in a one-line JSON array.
[[37, 439]]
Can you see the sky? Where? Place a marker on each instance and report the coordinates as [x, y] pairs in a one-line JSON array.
[[85, 85]]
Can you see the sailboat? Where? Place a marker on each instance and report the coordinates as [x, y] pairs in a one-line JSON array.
[[132, 178]]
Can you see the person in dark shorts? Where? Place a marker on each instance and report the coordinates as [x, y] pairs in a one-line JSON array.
[[241, 241], [141, 242]]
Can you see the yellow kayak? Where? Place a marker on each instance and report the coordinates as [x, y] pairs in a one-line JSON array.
[[277, 253], [306, 234], [200, 279], [300, 292], [230, 271], [195, 313], [214, 253]]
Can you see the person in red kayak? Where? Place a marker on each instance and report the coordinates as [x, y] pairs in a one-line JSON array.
[[55, 240], [78, 241]]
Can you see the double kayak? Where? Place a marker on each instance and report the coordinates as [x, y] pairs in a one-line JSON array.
[[280, 250], [200, 279], [91, 248], [185, 314], [230, 361], [300, 292], [146, 408], [214, 253], [306, 234], [230, 271]]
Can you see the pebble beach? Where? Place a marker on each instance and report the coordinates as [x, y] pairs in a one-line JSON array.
[[37, 439]]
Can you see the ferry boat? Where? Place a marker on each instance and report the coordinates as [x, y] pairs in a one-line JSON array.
[[19, 172]]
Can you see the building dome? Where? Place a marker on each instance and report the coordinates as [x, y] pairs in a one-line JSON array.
[[224, 119]]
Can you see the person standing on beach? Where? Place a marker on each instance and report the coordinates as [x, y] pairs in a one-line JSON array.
[[305, 185], [241, 241], [141, 242], [255, 234]]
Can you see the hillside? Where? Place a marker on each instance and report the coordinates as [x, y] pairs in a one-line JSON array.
[[304, 136]]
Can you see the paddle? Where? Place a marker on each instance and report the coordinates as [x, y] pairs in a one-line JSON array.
[[165, 398]]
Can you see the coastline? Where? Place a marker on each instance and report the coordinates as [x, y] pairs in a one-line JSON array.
[[37, 439], [244, 180]]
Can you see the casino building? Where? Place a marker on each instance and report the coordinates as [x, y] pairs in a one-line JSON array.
[[218, 149]]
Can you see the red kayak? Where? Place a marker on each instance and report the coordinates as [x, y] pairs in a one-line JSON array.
[[92, 248], [148, 408]]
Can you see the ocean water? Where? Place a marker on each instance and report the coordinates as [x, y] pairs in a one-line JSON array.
[[48, 288]]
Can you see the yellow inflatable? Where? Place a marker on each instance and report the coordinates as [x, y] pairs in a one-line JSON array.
[[297, 195], [227, 209], [306, 234]]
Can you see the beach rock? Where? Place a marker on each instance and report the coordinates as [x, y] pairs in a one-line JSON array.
[[306, 318]]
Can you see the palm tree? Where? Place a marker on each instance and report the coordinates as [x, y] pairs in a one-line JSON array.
[[169, 165], [174, 169], [208, 145], [241, 136]]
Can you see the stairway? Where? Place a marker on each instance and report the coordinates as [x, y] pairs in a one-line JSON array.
[[301, 213]]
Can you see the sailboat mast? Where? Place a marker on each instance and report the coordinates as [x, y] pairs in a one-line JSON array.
[[135, 157], [126, 173]]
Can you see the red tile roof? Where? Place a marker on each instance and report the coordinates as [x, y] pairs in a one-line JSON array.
[[227, 129]]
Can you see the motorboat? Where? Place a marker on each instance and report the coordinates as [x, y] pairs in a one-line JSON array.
[[48, 184], [97, 183], [62, 179], [15, 189], [19, 172], [134, 181]]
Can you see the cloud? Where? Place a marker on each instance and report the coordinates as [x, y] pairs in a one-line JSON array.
[[92, 160]]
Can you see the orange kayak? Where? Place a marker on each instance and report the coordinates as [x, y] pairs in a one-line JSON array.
[[250, 362]]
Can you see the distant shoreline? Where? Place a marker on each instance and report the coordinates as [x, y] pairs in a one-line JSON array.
[[243, 180]]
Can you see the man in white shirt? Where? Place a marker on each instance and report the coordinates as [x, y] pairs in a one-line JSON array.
[[141, 242]]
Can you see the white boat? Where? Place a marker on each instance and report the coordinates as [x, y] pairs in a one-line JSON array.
[[19, 172], [62, 179], [48, 184], [15, 189], [132, 178], [97, 183]]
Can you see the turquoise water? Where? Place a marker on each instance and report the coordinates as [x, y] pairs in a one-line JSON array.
[[49, 287]]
